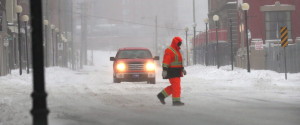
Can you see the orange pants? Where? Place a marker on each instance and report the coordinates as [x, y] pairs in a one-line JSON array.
[[174, 89]]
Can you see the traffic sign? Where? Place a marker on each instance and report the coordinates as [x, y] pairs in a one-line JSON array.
[[284, 36]]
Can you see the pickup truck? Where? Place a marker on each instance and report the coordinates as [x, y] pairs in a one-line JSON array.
[[134, 64]]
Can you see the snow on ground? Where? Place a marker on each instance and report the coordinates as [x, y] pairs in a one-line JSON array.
[[212, 96]]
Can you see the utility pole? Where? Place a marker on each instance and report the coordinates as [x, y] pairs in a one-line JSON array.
[[72, 38], [82, 38], [39, 111], [83, 53], [187, 46], [156, 35], [194, 40], [58, 37]]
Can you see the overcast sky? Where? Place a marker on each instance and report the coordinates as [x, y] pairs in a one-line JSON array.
[[186, 12], [135, 25]]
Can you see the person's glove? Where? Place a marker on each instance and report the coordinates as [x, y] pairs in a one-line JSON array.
[[184, 72], [164, 74]]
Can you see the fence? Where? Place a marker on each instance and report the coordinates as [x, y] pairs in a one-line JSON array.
[[270, 58], [224, 54]]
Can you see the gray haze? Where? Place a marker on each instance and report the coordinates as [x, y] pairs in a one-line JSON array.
[[113, 24]]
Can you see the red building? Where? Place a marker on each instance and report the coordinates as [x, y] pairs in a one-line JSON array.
[[265, 17]]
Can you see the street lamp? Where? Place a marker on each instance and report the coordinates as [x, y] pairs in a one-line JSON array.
[[25, 19], [206, 41], [216, 18], [52, 41], [187, 45], [19, 10], [245, 8], [46, 23], [194, 44]]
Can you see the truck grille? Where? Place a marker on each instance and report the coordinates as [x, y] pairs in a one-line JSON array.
[[135, 67]]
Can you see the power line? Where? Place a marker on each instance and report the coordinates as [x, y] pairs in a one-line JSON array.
[[125, 21]]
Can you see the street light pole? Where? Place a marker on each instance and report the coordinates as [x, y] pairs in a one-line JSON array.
[[53, 49], [156, 53], [19, 10], [65, 51], [245, 8], [187, 45], [194, 45], [39, 111], [55, 45], [216, 19], [206, 41], [25, 19], [231, 46], [71, 37], [194, 40], [46, 22], [7, 57]]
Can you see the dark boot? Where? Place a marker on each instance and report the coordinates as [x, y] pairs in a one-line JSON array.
[[178, 103], [161, 98]]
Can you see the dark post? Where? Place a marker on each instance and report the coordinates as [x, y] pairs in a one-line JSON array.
[[39, 110], [231, 49], [247, 43], [26, 47], [206, 44], [217, 37], [19, 41]]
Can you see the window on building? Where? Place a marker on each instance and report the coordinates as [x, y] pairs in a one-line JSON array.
[[274, 20]]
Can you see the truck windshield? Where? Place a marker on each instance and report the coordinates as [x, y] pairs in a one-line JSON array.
[[132, 54]]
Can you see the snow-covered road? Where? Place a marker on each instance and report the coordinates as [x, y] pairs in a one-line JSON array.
[[212, 97]]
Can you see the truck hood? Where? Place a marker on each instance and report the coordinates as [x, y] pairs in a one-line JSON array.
[[135, 60]]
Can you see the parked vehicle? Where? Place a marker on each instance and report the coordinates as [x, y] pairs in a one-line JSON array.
[[134, 65]]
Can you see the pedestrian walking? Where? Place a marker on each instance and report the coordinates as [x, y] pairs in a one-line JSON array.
[[172, 70]]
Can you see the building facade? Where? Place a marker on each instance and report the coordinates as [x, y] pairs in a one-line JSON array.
[[265, 18]]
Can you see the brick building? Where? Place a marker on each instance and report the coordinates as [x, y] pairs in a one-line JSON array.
[[265, 17]]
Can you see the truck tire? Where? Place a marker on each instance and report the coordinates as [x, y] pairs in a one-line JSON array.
[[117, 80], [152, 81]]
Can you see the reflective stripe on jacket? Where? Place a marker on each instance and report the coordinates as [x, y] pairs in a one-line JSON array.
[[172, 62]]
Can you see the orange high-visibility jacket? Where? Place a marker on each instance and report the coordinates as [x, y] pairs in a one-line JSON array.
[[172, 61]]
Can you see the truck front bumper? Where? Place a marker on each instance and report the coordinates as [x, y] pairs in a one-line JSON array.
[[135, 76]]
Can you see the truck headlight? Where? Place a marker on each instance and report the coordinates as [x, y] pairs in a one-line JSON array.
[[121, 67], [150, 67]]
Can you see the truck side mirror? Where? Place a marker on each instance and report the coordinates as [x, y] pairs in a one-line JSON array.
[[112, 59], [156, 58]]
